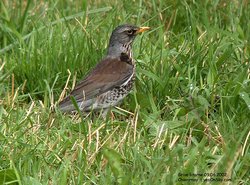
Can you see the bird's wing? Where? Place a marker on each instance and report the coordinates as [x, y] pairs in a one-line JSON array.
[[109, 73]]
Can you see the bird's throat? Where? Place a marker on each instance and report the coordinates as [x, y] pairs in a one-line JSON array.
[[116, 50]]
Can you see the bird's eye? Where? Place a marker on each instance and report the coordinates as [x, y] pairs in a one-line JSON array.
[[130, 32]]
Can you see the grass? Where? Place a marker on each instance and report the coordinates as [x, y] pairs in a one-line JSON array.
[[186, 121]]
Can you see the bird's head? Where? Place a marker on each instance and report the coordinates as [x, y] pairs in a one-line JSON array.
[[124, 35]]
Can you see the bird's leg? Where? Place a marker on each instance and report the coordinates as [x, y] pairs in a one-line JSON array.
[[112, 116], [104, 113]]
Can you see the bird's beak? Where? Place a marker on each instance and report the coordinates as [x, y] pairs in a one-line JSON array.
[[142, 29]]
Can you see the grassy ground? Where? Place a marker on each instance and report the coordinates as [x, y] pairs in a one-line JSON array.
[[186, 122]]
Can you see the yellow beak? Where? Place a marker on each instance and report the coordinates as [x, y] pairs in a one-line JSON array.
[[142, 29]]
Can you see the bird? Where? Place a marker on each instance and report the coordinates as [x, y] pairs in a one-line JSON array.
[[111, 80]]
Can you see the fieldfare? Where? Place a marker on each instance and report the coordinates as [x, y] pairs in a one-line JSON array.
[[112, 79]]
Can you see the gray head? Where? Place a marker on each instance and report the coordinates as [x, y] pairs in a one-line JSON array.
[[122, 38]]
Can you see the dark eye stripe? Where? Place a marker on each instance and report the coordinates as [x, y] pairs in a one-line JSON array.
[[131, 32]]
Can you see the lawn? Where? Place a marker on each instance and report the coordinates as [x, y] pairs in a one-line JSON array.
[[187, 120]]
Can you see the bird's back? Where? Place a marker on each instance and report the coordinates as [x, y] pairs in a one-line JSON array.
[[108, 83]]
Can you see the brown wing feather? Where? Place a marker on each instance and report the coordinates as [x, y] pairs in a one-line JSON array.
[[109, 73]]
